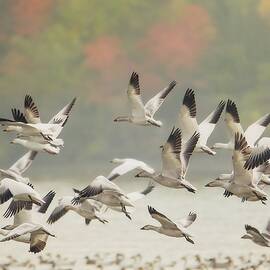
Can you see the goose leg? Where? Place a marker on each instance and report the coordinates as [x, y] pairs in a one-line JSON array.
[[124, 210]]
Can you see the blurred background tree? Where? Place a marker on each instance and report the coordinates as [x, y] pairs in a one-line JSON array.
[[58, 49]]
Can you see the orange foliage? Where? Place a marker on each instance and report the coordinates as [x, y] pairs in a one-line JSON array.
[[29, 16], [182, 42]]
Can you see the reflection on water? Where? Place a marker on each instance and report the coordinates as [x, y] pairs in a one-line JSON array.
[[218, 228]]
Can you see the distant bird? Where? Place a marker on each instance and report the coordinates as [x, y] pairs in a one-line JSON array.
[[175, 159], [232, 120], [261, 239], [19, 167], [103, 190], [188, 123], [244, 180], [169, 227], [23, 196], [143, 114], [85, 209], [27, 231], [127, 165]]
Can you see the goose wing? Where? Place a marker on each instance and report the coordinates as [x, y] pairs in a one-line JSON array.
[[5, 193], [22, 164], [207, 126], [171, 163], [134, 97], [255, 130], [232, 118], [254, 232], [20, 230], [162, 219], [138, 195], [61, 117], [155, 102], [24, 216], [38, 241], [18, 116], [58, 212], [31, 111], [187, 151], [187, 221], [187, 117]]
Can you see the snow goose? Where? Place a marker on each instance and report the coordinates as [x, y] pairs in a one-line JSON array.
[[175, 159], [188, 123], [85, 209], [244, 180], [19, 167], [127, 165], [103, 190], [232, 120], [39, 140], [23, 196], [261, 239], [27, 231], [143, 114], [170, 228], [134, 197]]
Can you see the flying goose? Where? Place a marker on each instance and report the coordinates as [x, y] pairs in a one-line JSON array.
[[188, 123], [23, 196], [169, 227], [103, 190], [38, 136], [175, 159], [85, 209], [127, 165], [19, 167], [244, 180], [27, 231], [232, 120], [143, 114], [261, 239], [133, 197]]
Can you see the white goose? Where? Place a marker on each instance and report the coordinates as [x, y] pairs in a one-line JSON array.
[[103, 190], [27, 231], [19, 167], [38, 140], [253, 234], [175, 160], [244, 180], [23, 196], [232, 120], [85, 209], [127, 165], [143, 114], [188, 123], [169, 227]]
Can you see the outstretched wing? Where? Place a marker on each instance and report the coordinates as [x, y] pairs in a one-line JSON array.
[[22, 164], [155, 102], [134, 97], [162, 219], [31, 111], [207, 126], [187, 221]]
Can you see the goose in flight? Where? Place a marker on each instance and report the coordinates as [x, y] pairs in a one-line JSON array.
[[23, 196], [103, 190], [170, 228], [19, 167], [175, 159], [26, 231], [232, 120], [188, 123], [127, 165], [253, 234], [244, 180], [143, 114], [133, 197], [85, 209], [32, 133]]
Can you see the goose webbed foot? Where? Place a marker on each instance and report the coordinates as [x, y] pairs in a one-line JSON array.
[[124, 210]]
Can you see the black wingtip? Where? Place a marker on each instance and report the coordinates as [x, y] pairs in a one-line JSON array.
[[47, 199], [218, 112], [240, 142], [134, 82], [190, 102], [231, 108], [266, 120]]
